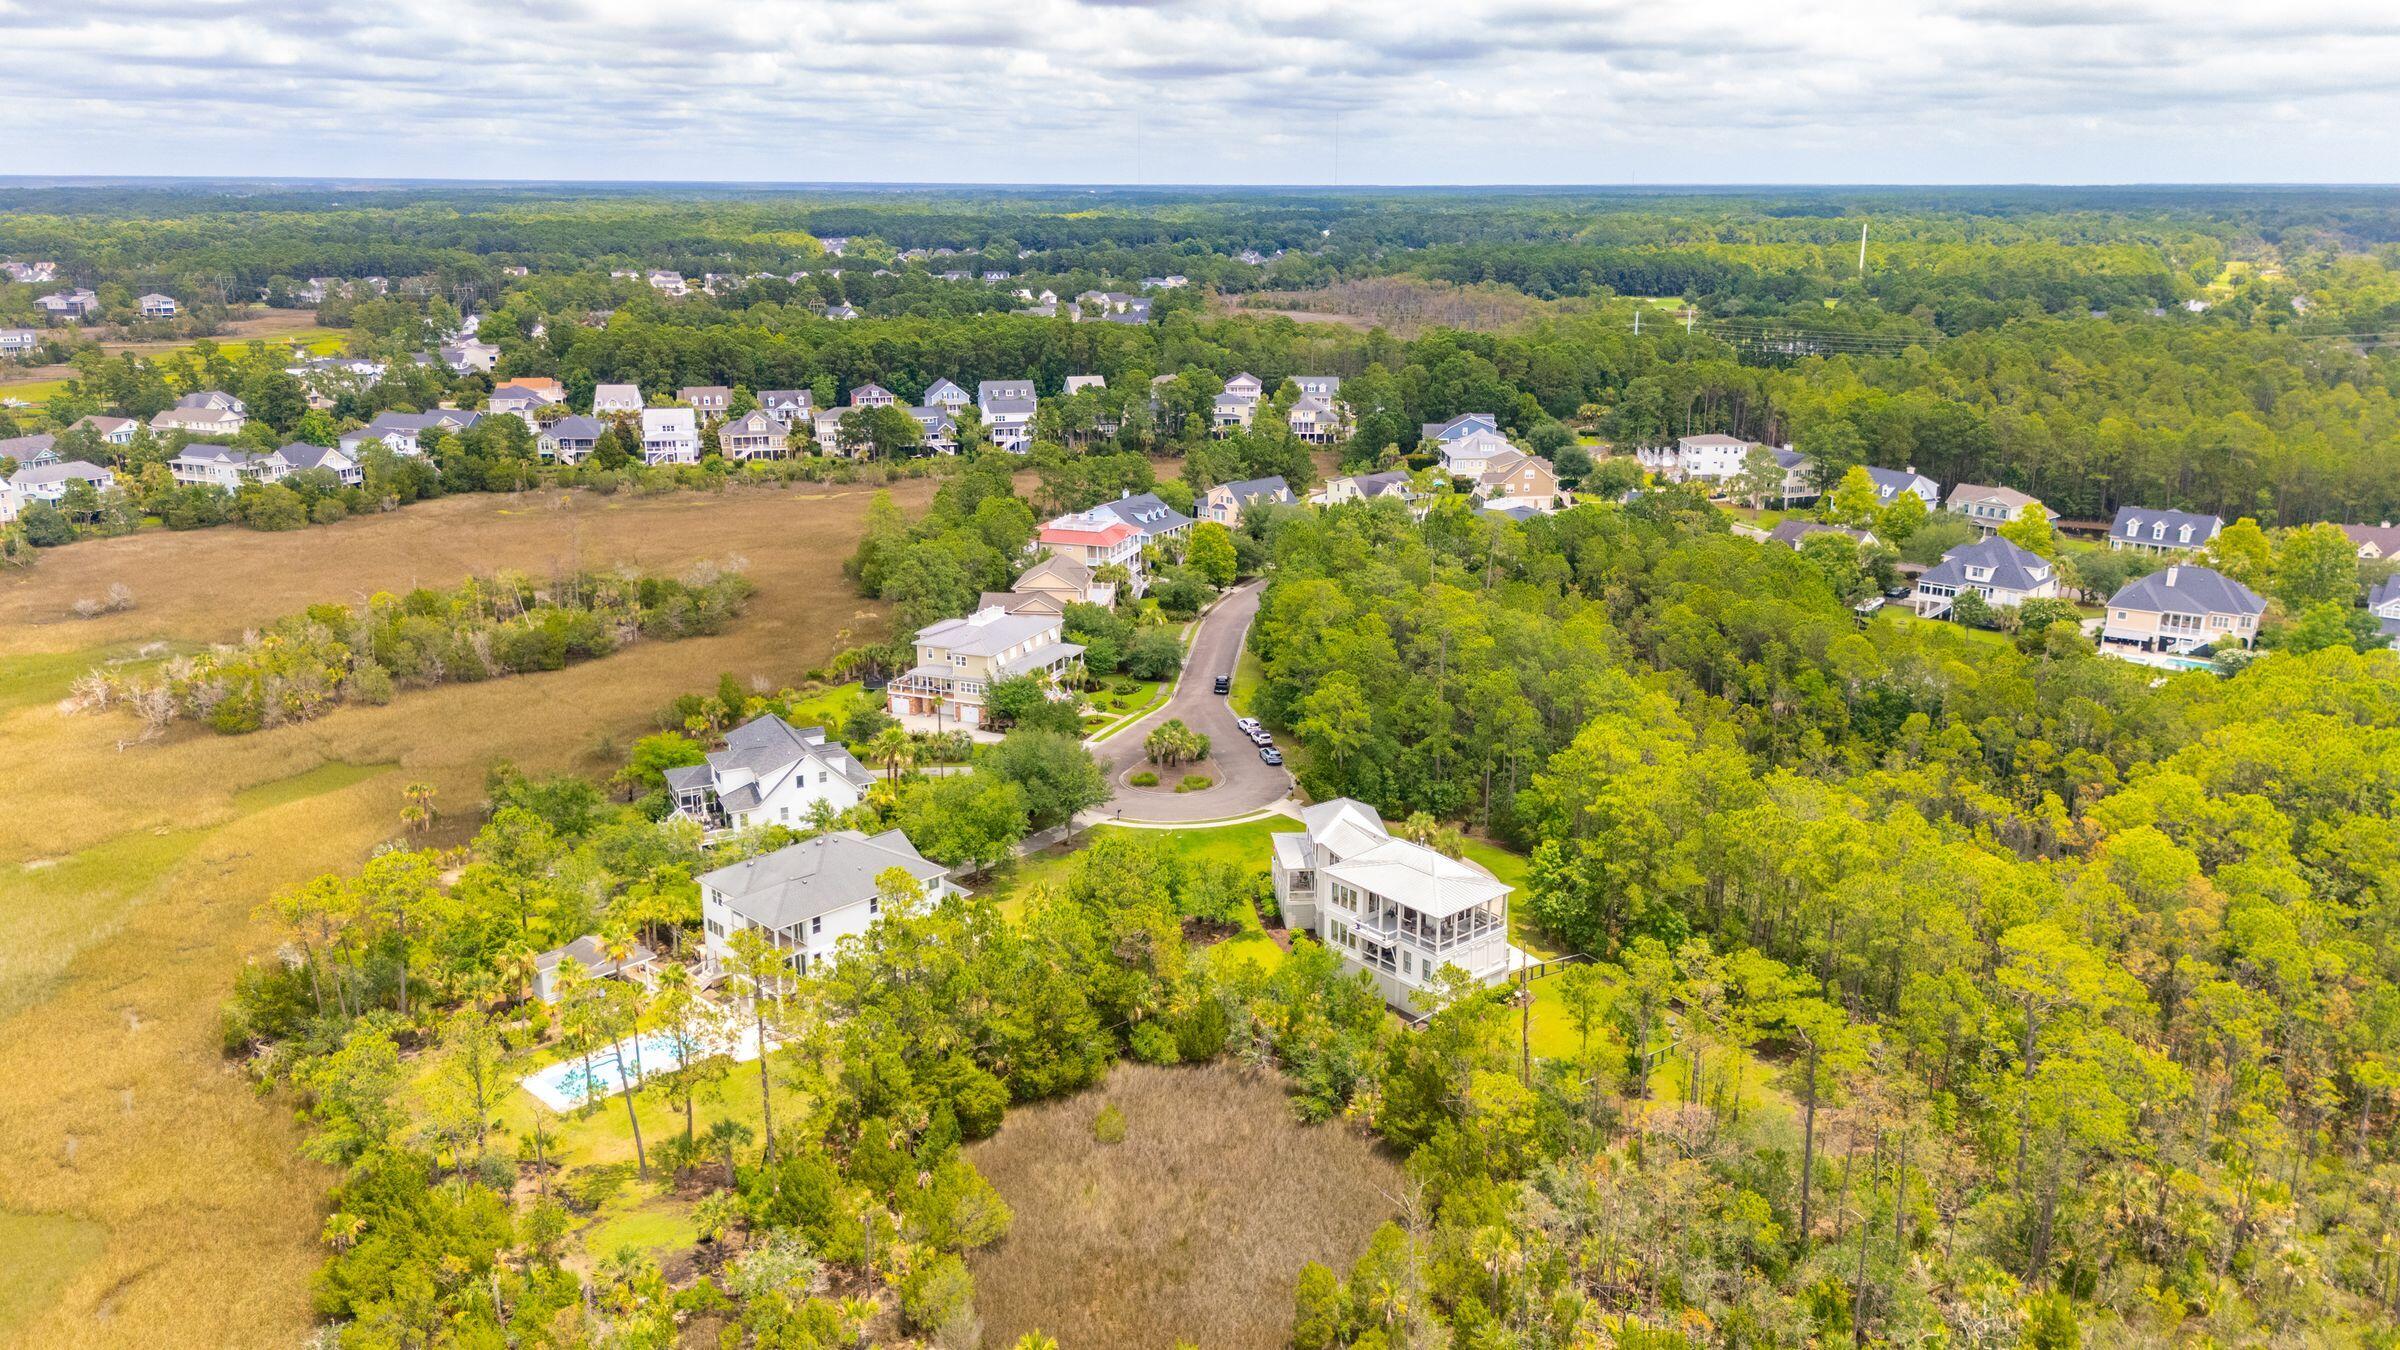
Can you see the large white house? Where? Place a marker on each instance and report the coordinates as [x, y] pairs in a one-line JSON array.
[[1711, 457], [808, 897], [670, 436], [1398, 910], [958, 661], [769, 773], [2002, 573]]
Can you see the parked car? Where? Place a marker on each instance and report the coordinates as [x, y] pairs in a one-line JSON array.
[[1247, 724], [1899, 592], [1270, 754], [1260, 737], [1224, 684]]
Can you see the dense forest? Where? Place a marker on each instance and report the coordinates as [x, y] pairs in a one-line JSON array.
[[2215, 351]]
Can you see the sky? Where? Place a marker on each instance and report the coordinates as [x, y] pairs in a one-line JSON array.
[[1208, 91]]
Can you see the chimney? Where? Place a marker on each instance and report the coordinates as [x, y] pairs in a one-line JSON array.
[[2172, 569]]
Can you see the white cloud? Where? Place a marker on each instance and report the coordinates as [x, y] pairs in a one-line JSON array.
[[1532, 91]]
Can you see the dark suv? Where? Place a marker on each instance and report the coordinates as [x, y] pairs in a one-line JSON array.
[[1224, 684]]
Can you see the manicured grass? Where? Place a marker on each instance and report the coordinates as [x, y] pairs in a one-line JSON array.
[[1108, 720], [1249, 673], [1245, 843], [599, 1134], [1252, 947]]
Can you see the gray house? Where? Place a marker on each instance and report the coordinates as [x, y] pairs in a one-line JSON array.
[[808, 897]]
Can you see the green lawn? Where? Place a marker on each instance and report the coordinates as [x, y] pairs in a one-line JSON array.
[[1249, 673], [1112, 712]]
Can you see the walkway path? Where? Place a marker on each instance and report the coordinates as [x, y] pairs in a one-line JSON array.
[[1246, 784]]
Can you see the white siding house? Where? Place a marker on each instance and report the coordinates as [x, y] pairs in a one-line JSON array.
[[808, 897]]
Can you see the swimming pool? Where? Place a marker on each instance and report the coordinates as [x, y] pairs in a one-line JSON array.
[[568, 1085]]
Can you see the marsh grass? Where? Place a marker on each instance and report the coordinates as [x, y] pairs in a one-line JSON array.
[[131, 881], [1192, 1228]]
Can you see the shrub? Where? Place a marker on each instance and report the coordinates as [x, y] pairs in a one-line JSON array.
[[1194, 782], [1144, 779], [1109, 1126]]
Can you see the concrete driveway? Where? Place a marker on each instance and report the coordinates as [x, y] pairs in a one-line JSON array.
[[1244, 782]]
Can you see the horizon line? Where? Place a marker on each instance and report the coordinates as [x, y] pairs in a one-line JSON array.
[[30, 181]]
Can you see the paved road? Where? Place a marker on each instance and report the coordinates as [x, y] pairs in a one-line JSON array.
[[1244, 782]]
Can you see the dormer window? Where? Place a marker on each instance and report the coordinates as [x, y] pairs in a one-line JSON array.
[[2133, 527]]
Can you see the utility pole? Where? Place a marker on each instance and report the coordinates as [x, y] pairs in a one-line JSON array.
[[1862, 250], [1637, 318]]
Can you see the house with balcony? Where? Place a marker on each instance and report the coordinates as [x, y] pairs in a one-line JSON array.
[[670, 436], [1992, 507], [2384, 603], [2002, 573], [769, 773], [2148, 531], [49, 482], [1316, 419], [806, 898], [944, 393], [157, 306], [959, 660], [1115, 532], [1711, 457], [19, 341], [872, 396], [2181, 609], [1007, 407], [569, 439], [299, 457], [217, 466], [753, 435], [1467, 456], [1398, 910]]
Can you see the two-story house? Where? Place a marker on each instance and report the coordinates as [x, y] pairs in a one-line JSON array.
[[2384, 603], [157, 306], [612, 399], [2149, 531], [198, 422], [1396, 909], [1992, 507], [1516, 481], [300, 456], [2181, 609], [1467, 456], [670, 436], [1226, 502], [769, 773], [1890, 483], [49, 482], [406, 433], [1711, 457], [958, 660], [943, 393], [806, 898], [1367, 487], [753, 435], [708, 400], [787, 406], [1007, 407], [2002, 573], [1049, 586], [872, 396], [1316, 419], [1465, 424], [217, 466]]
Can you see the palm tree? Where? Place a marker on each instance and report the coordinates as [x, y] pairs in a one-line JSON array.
[[418, 814], [725, 1136], [894, 749]]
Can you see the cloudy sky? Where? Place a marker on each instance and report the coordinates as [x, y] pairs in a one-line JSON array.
[[1208, 91]]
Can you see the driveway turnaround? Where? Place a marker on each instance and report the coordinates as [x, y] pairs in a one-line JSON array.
[[1244, 782]]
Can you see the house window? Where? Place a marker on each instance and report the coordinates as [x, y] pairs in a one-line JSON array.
[[816, 925], [874, 904]]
